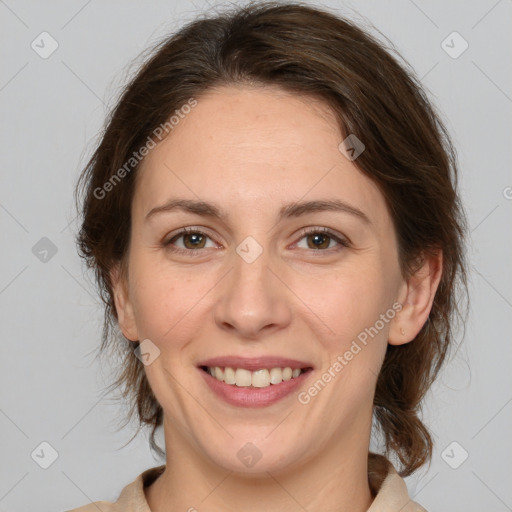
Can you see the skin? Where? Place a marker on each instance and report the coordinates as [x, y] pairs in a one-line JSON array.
[[250, 150]]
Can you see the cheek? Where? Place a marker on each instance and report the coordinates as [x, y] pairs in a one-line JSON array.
[[345, 302], [352, 315], [165, 300]]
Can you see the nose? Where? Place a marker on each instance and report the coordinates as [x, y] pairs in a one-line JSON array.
[[253, 301]]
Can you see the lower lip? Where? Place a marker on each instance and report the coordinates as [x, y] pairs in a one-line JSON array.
[[254, 397]]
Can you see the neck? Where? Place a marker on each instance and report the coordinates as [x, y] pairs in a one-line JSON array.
[[335, 480]]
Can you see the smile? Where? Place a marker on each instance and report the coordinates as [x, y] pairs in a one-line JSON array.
[[260, 388], [257, 379]]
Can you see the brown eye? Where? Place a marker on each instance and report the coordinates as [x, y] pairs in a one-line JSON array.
[[187, 241], [193, 240], [321, 239], [318, 241]]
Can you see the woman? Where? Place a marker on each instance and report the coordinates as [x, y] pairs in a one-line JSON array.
[[273, 221]]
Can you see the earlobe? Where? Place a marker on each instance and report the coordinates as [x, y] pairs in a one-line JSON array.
[[416, 296], [124, 309]]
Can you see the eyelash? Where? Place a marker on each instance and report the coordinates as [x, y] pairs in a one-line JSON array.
[[344, 243]]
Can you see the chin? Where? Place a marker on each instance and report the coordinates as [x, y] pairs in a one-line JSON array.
[[252, 458]]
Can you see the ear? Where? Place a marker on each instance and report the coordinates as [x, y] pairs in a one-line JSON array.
[[416, 296], [124, 309]]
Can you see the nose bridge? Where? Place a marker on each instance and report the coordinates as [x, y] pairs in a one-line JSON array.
[[251, 299], [251, 273]]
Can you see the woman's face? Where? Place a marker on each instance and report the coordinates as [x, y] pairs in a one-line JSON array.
[[256, 284]]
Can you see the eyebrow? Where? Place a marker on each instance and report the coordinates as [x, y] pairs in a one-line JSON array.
[[294, 209]]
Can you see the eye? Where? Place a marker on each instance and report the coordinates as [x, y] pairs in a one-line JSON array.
[[192, 239], [320, 239]]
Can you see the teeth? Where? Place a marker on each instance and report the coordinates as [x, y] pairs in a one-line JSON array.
[[243, 377], [276, 376], [258, 379], [218, 373], [287, 373], [229, 376], [261, 378]]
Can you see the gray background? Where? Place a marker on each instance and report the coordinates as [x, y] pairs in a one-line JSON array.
[[52, 110]]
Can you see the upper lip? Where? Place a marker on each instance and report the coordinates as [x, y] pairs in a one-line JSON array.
[[255, 363]]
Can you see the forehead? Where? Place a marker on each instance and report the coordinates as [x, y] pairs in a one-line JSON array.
[[254, 146]]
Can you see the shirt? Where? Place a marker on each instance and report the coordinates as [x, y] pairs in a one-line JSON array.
[[387, 486]]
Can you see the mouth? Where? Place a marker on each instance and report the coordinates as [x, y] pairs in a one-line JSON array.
[[257, 382], [261, 378]]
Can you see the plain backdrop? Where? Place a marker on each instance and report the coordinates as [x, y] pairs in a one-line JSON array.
[[52, 109]]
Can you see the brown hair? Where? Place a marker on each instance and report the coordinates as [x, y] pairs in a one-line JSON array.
[[306, 51]]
